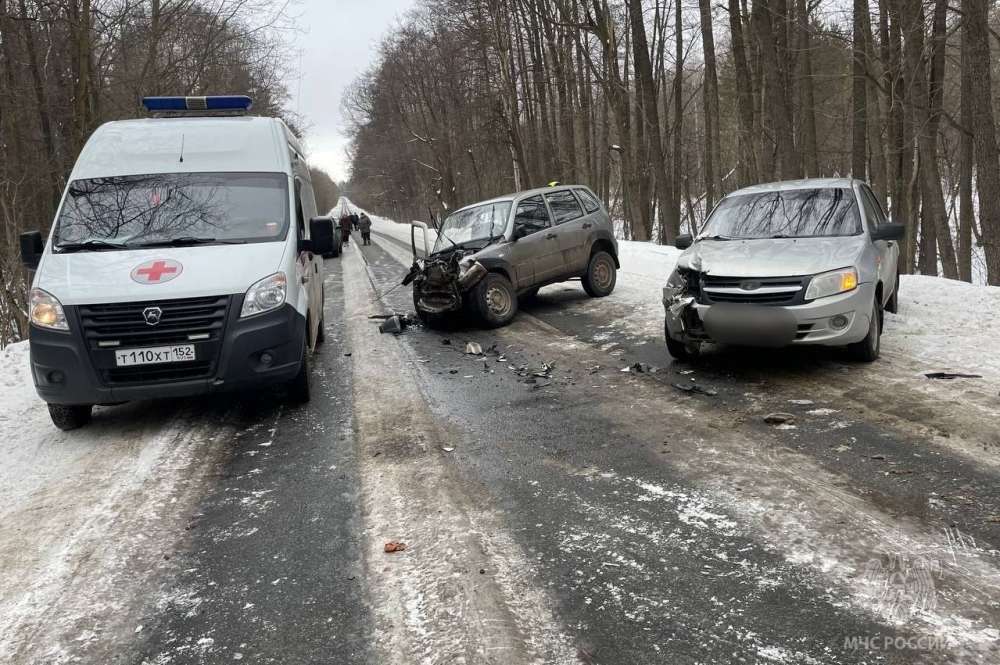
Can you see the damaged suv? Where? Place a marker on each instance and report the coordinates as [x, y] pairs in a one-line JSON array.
[[799, 262], [489, 254]]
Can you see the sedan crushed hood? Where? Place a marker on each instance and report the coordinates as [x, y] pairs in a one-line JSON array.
[[84, 278], [779, 257]]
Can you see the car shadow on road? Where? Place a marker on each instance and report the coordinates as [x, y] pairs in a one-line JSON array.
[[238, 409]]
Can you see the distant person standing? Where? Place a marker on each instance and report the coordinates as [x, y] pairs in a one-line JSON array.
[[345, 229], [365, 226], [354, 220]]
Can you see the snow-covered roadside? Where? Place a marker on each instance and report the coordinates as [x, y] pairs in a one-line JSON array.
[[86, 516], [942, 325]]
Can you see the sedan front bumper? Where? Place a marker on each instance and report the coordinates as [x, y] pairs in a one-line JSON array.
[[813, 323]]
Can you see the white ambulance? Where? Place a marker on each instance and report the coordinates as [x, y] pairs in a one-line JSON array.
[[185, 258]]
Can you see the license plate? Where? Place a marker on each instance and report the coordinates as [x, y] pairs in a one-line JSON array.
[[155, 355]]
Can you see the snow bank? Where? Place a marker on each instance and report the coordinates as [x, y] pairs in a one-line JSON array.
[[947, 325]]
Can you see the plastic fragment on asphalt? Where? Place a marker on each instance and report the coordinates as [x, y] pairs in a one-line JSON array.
[[696, 389], [473, 348]]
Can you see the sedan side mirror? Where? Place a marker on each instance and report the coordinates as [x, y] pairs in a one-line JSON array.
[[889, 232], [321, 236], [31, 249], [684, 241]]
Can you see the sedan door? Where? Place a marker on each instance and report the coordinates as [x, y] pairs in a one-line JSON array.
[[535, 245], [888, 250]]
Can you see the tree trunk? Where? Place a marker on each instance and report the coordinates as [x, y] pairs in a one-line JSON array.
[[966, 214], [710, 97], [746, 172], [935, 94], [859, 89], [984, 131], [807, 101], [901, 152], [770, 26], [678, 145]]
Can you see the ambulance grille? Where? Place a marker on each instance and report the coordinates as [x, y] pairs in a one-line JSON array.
[[122, 325]]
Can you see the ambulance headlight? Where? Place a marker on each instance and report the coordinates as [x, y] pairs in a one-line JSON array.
[[46, 311], [265, 295]]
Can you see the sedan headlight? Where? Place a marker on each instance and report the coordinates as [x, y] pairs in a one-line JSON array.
[[831, 283], [265, 295], [46, 311]]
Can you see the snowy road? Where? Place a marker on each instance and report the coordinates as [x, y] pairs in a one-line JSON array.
[[593, 516]]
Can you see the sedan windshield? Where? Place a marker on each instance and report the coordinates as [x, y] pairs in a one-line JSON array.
[[791, 213], [172, 208], [483, 222]]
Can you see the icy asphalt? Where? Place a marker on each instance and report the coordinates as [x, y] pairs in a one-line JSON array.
[[585, 515]]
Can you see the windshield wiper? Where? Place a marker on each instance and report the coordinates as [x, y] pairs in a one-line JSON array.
[[719, 237], [183, 241], [93, 245]]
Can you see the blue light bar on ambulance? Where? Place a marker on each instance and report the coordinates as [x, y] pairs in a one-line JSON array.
[[216, 103]]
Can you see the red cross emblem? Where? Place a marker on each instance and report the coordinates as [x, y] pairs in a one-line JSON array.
[[157, 271]]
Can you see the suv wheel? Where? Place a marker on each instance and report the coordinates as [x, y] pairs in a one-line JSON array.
[[70, 416], [432, 321], [600, 278], [867, 350], [495, 300]]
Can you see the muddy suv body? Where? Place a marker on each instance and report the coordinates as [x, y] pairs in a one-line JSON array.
[[489, 254]]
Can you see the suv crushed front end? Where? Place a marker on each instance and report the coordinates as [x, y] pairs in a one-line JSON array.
[[441, 280]]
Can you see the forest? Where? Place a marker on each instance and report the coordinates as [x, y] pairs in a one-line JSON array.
[[664, 106]]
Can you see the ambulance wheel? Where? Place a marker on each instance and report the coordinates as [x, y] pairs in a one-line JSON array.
[[70, 416], [298, 389], [321, 332]]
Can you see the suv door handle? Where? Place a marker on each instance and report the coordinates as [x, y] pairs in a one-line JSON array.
[[587, 225], [551, 236]]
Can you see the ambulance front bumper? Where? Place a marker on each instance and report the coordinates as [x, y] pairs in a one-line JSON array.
[[249, 353]]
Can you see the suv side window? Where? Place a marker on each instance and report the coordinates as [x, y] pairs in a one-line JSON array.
[[590, 202], [565, 207], [532, 216]]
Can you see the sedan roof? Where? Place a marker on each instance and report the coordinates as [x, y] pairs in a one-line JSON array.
[[806, 183]]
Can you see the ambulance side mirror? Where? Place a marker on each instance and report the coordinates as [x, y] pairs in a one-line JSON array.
[[321, 235], [31, 249]]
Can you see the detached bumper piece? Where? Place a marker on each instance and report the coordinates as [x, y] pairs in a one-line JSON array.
[[79, 366]]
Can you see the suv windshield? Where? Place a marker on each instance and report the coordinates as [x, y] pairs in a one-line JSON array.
[[483, 222], [791, 213], [183, 208]]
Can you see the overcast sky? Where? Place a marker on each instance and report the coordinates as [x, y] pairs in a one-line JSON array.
[[337, 45]]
